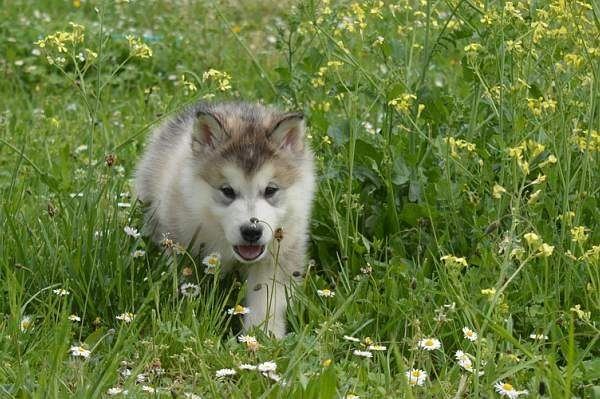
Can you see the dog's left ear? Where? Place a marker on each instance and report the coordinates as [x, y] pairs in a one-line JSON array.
[[288, 133]]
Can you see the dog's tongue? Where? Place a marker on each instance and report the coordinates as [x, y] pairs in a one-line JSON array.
[[249, 251]]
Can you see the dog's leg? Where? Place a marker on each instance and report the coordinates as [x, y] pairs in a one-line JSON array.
[[266, 298]]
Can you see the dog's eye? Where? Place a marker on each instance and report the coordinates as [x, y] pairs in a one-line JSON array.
[[228, 192], [270, 191]]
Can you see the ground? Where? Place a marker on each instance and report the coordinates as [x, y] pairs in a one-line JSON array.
[[455, 242]]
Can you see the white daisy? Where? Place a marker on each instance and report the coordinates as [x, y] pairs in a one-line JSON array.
[[139, 253], [189, 290], [267, 366], [74, 318], [149, 389], [126, 317], [429, 344], [350, 338], [115, 391], [464, 361], [26, 323], [326, 293], [538, 337], [222, 373], [469, 334], [366, 354], [247, 338], [416, 376], [376, 348], [238, 309], [272, 375], [131, 232], [246, 366], [212, 262], [80, 351], [61, 292], [140, 377], [506, 389]]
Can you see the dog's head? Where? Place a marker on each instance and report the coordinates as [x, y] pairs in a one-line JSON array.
[[256, 165]]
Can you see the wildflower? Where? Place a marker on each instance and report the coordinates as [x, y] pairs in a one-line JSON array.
[[469, 334], [450, 260], [267, 367], [464, 361], [80, 351], [546, 250], [429, 344], [366, 354], [538, 337], [376, 348], [352, 396], [580, 313], [473, 48], [350, 338], [326, 293], [497, 191], [250, 341], [539, 179], [489, 292], [532, 239], [115, 391], [416, 377], [26, 323], [222, 373], [247, 367], [61, 292], [326, 362], [223, 79], [126, 317], [131, 232], [138, 253], [378, 41], [189, 290], [137, 48], [212, 263], [148, 388], [534, 197], [403, 103], [579, 235], [237, 310], [506, 389], [191, 396], [74, 318]]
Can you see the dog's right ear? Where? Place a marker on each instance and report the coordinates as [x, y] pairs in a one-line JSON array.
[[208, 133]]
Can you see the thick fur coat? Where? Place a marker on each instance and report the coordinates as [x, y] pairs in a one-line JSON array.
[[223, 178]]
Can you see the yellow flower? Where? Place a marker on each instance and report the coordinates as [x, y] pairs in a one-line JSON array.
[[489, 292], [450, 260], [582, 315], [546, 250], [579, 235], [534, 197], [532, 239], [137, 48], [402, 103], [498, 190], [472, 48]]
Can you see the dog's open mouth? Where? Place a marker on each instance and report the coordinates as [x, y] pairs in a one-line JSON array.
[[249, 252]]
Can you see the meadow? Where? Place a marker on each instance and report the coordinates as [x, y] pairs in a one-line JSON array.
[[455, 243]]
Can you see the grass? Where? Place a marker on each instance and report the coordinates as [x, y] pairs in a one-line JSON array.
[[458, 150]]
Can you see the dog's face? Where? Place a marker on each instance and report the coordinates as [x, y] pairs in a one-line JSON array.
[[251, 160]]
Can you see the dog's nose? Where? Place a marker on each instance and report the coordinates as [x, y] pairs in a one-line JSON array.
[[251, 232]]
